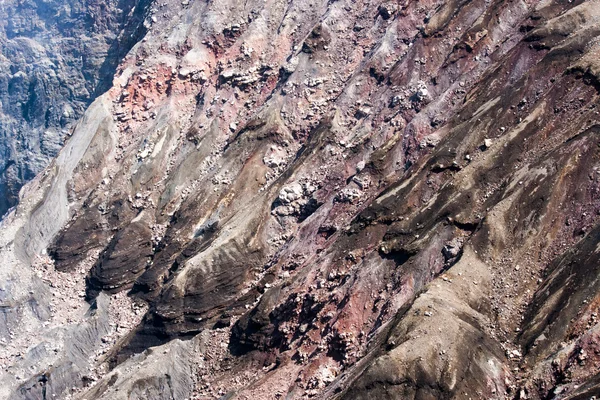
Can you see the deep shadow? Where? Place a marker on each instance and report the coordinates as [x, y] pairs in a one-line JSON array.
[[132, 32]]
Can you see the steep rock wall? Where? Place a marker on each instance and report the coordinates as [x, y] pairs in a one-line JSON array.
[[55, 58], [325, 200]]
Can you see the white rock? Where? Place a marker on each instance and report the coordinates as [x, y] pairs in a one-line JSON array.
[[290, 193]]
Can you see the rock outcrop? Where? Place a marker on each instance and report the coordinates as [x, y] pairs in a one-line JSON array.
[[55, 58], [314, 199]]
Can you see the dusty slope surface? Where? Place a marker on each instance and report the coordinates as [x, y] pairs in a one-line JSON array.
[[321, 200], [55, 58]]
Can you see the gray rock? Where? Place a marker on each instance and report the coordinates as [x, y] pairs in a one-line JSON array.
[[55, 58]]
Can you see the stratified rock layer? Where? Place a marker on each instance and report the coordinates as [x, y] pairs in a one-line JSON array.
[[350, 200]]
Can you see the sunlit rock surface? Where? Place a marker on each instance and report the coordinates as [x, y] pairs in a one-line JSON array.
[[313, 199]]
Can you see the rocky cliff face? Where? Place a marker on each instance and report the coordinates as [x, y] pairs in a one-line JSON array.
[[313, 199], [55, 58]]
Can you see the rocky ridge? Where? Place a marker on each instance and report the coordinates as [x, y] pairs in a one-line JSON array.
[[55, 58], [322, 200]]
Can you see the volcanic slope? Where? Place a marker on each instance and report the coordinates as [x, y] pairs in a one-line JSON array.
[[314, 199]]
